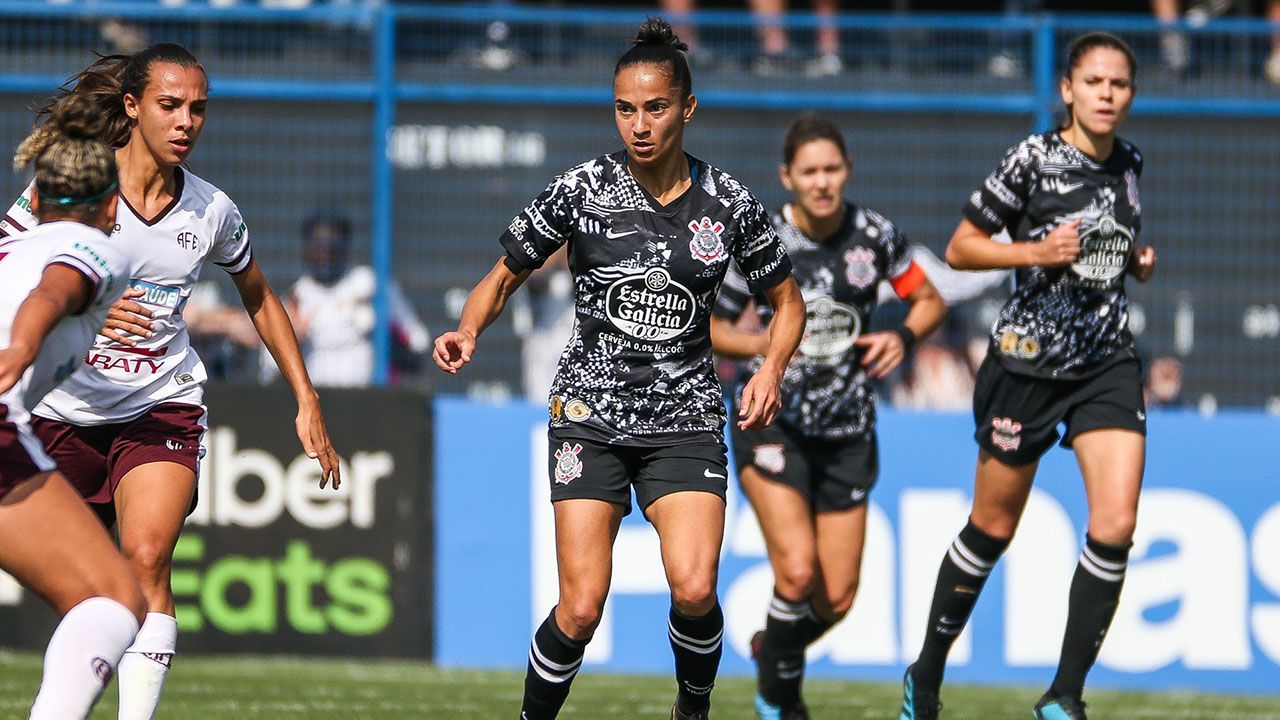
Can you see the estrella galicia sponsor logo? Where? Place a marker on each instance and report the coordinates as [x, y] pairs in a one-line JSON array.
[[830, 330], [651, 306], [1006, 433], [1104, 253], [568, 464], [706, 244]]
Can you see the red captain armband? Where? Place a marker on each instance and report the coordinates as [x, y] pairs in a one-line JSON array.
[[909, 281]]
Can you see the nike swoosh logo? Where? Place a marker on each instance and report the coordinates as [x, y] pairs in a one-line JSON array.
[[613, 235], [708, 473]]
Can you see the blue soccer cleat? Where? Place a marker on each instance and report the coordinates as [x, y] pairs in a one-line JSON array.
[[1059, 708], [918, 703]]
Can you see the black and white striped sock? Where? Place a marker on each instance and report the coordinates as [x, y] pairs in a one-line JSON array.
[[781, 659], [696, 643], [1095, 593], [554, 660], [968, 562]]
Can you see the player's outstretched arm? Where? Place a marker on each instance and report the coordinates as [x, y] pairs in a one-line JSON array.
[[761, 398], [485, 303], [273, 326], [62, 291]]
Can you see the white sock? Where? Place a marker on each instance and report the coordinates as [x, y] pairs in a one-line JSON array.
[[81, 658], [145, 666]]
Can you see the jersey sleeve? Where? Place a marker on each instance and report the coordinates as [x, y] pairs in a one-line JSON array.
[[18, 218], [761, 258], [544, 226], [231, 249], [103, 264], [734, 295], [901, 270], [1002, 199]]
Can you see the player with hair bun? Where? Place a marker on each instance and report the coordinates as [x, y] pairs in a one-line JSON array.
[[636, 405], [57, 282], [126, 426]]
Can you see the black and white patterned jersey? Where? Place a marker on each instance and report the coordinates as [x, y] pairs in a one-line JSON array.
[[637, 369], [1064, 322], [825, 391]]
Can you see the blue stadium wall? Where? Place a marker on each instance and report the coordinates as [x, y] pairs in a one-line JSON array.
[[1200, 609]]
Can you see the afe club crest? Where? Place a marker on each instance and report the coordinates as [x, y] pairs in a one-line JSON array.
[[706, 244]]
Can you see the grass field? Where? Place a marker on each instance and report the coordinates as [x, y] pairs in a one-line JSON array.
[[240, 688]]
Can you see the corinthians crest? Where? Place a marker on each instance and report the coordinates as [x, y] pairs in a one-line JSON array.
[[706, 244], [568, 464], [860, 267]]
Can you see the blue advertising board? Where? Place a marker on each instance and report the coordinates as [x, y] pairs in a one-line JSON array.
[[1200, 609]]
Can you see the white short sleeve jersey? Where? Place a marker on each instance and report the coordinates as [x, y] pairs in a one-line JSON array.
[[117, 383], [23, 258]]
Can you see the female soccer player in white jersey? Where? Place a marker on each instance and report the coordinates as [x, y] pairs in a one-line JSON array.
[[1060, 352], [126, 427], [57, 282], [635, 404], [809, 474]]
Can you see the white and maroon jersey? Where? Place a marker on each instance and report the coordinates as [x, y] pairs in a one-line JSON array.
[[117, 383], [23, 258]]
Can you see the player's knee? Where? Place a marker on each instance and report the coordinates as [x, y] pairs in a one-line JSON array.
[[997, 522], [578, 617], [795, 578], [695, 596], [1114, 527], [840, 599], [150, 560]]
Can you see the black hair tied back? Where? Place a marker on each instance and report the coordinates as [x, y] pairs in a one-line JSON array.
[[656, 43]]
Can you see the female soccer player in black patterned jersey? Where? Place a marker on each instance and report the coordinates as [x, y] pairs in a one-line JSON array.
[[635, 403], [808, 475], [1060, 352]]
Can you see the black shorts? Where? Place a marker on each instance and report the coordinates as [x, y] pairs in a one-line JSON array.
[[580, 468], [832, 475], [1017, 416]]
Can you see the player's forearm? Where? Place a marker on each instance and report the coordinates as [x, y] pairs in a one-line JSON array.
[[927, 311], [488, 299], [786, 329], [36, 316], [972, 249], [273, 326]]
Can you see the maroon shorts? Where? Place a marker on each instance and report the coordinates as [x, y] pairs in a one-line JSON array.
[[95, 457], [20, 454]]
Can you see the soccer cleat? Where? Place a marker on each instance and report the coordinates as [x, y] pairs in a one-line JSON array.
[[918, 703], [695, 715], [1059, 708], [766, 710]]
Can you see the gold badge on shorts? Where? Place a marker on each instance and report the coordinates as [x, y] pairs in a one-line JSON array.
[[577, 411], [556, 407]]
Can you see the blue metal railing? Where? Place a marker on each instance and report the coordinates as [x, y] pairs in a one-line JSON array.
[[384, 83]]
